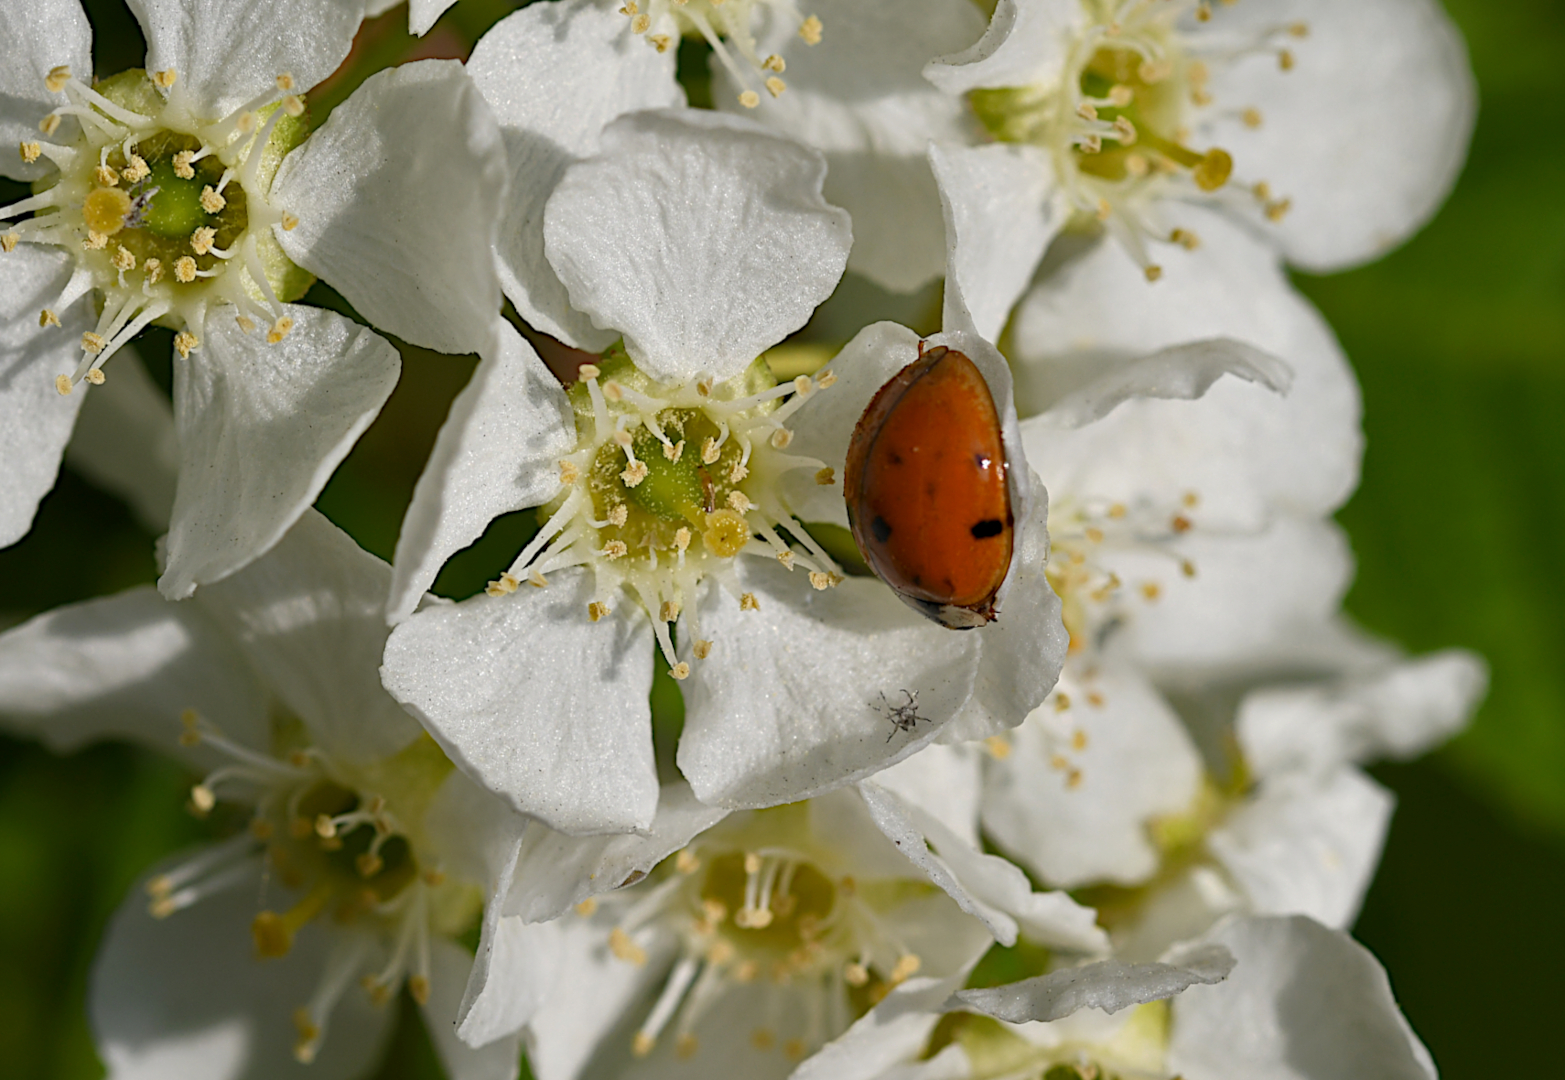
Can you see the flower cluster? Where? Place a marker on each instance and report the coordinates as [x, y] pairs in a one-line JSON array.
[[840, 672]]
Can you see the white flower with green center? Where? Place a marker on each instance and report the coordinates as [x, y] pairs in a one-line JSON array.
[[1331, 130], [1259, 999], [360, 852], [677, 482], [771, 932], [192, 195]]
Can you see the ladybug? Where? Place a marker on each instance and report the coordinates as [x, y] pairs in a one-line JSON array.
[[926, 488]]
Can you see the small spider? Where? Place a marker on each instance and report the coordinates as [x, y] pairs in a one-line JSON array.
[[903, 716]]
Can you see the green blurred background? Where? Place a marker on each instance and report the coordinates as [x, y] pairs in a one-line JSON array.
[[1459, 340]]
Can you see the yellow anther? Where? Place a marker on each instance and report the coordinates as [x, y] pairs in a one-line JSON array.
[[369, 864], [702, 649], [737, 473], [1213, 170], [749, 99], [9, 241], [588, 907], [183, 167], [1062, 702], [675, 451], [615, 549], [1079, 737], [1121, 95], [682, 539], [185, 273], [662, 42], [290, 222], [57, 78], [821, 581], [640, 24], [94, 343], [725, 534], [642, 1044], [587, 372], [740, 502], [1153, 272], [106, 175], [794, 1049], [1185, 239], [418, 989], [1151, 590], [30, 151], [826, 477], [62, 383], [596, 611], [781, 438], [569, 473], [775, 86], [1278, 210], [94, 376], [124, 258], [96, 241], [1285, 60], [280, 329], [998, 746], [775, 63], [680, 671], [685, 1046], [1251, 117], [625, 949], [211, 200], [201, 240], [1086, 111], [165, 78], [810, 31], [763, 1039], [153, 268], [748, 602], [710, 451], [104, 211], [49, 124], [634, 473], [184, 342], [48, 318], [787, 558]]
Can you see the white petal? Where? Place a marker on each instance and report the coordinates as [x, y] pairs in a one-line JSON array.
[[1026, 45], [1136, 763], [36, 37], [228, 51], [1110, 985], [1000, 215], [422, 14], [788, 705], [593, 1005], [985, 886], [1307, 846], [449, 964], [554, 872], [943, 781], [308, 615], [701, 237], [891, 1033], [184, 998], [127, 666], [125, 442], [1180, 372], [35, 422], [1398, 712], [1365, 134], [1024, 648], [1248, 595], [555, 74], [538, 704], [859, 97], [1240, 445], [1303, 1003], [498, 451], [261, 429], [823, 427], [475, 831], [397, 197]]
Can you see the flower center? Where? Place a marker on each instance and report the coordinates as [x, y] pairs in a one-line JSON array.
[[759, 904], [994, 1051], [340, 847], [728, 26], [1079, 535], [1117, 124], [668, 485], [164, 214]]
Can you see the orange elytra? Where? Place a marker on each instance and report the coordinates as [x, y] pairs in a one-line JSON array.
[[925, 483]]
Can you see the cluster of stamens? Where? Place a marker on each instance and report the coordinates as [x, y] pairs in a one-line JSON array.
[[340, 849], [164, 212], [768, 914], [667, 485], [1079, 534], [1118, 123], [728, 27]]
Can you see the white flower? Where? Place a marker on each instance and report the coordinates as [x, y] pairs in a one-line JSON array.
[[769, 933], [167, 197], [365, 851], [1331, 130], [703, 241], [1261, 999]]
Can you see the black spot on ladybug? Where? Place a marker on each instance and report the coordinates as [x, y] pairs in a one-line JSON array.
[[881, 528], [894, 458], [985, 529]]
